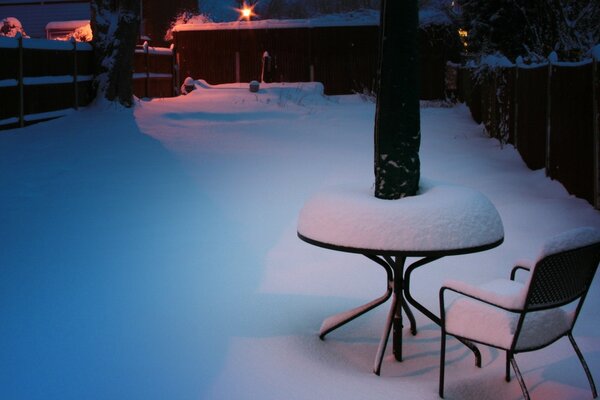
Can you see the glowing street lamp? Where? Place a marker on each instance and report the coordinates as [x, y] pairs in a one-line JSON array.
[[246, 12]]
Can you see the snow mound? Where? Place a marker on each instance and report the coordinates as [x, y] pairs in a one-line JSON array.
[[439, 217]]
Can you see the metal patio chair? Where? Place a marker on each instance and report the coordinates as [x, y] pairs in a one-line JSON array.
[[521, 317]]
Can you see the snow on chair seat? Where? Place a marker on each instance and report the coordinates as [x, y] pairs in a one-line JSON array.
[[519, 317]]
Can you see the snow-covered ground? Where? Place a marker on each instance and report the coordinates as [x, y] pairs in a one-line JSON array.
[[152, 254]]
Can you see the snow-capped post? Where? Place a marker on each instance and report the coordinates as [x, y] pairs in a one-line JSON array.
[[146, 68], [115, 27], [397, 118], [75, 88], [266, 71]]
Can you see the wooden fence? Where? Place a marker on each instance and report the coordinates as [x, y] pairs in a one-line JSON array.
[[343, 58], [155, 72], [42, 79], [550, 113]]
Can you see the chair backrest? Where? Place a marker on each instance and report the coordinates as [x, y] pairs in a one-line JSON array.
[[563, 277]]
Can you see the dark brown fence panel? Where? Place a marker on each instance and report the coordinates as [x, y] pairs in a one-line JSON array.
[[208, 55], [160, 63], [38, 62], [531, 124], [160, 87], [154, 72], [250, 51], [290, 52], [46, 98], [46, 81], [9, 64], [86, 93], [9, 108], [345, 58], [85, 63], [571, 158], [469, 91]]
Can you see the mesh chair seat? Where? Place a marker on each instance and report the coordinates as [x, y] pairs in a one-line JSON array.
[[483, 323]]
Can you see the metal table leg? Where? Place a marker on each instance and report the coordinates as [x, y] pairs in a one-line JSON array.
[[338, 320], [425, 311]]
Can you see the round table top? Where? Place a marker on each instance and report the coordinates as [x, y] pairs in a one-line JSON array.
[[442, 219]]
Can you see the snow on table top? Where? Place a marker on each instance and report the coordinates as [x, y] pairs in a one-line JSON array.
[[439, 217]]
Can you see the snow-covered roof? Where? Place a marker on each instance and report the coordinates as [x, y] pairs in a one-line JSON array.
[[67, 25]]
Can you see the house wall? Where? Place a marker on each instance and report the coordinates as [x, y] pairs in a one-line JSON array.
[[34, 15]]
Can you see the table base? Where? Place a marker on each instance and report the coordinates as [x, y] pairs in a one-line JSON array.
[[398, 288]]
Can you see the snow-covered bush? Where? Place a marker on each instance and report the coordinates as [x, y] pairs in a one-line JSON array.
[[10, 26], [183, 18], [81, 34]]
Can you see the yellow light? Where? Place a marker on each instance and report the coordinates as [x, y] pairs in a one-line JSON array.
[[246, 12], [463, 33]]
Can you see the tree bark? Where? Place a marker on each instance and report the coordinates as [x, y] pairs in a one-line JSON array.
[[115, 26], [397, 117]]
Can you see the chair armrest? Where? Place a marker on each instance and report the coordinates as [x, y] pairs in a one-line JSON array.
[[525, 265], [502, 293]]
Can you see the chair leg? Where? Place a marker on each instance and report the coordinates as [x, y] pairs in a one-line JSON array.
[[519, 377], [442, 363], [584, 364]]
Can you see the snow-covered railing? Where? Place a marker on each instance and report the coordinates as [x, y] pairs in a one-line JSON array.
[[40, 77], [155, 72], [549, 111]]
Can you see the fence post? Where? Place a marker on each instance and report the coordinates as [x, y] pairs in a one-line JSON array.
[[75, 85], [516, 108], [548, 117], [596, 131], [145, 47], [237, 67], [174, 90], [21, 83]]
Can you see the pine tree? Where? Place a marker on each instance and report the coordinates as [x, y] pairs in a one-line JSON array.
[[532, 28]]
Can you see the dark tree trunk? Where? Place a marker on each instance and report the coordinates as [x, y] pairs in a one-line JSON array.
[[397, 118], [115, 26]]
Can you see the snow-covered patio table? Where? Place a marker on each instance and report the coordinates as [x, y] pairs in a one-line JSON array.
[[441, 220]]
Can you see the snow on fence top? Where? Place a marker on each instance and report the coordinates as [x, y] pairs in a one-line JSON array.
[[356, 18], [8, 42], [43, 44]]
